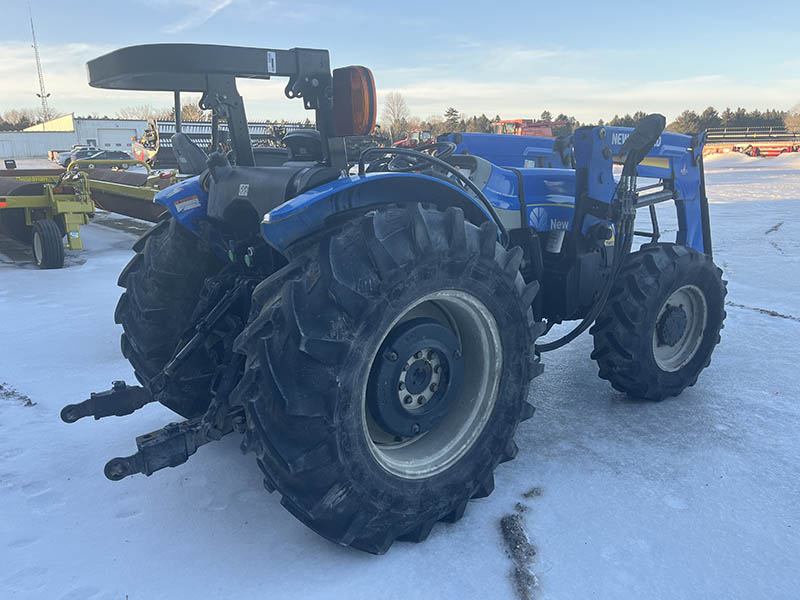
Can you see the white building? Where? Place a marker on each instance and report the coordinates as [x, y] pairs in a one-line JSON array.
[[64, 132]]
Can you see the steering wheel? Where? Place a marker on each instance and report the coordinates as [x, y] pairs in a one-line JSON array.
[[402, 163]]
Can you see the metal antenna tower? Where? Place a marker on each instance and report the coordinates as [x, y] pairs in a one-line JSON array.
[[42, 93]]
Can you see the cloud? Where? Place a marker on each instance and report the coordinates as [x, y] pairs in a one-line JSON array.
[[427, 87], [591, 98], [64, 68], [198, 13]]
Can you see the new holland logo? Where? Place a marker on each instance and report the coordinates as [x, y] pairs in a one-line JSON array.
[[538, 218]]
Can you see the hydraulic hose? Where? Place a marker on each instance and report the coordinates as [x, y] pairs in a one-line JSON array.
[[622, 246]]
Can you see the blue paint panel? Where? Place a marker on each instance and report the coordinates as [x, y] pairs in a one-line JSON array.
[[550, 197], [187, 201], [516, 151], [594, 151], [307, 212], [550, 193]]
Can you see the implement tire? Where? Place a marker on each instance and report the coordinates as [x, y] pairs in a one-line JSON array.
[[163, 283], [661, 323], [318, 370], [47, 245]]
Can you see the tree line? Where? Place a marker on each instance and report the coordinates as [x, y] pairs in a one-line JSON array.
[[397, 122]]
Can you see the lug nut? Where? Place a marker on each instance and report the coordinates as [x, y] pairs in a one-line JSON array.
[[402, 385], [408, 400], [434, 387], [418, 355], [415, 429], [431, 354], [391, 355], [437, 368], [421, 399]]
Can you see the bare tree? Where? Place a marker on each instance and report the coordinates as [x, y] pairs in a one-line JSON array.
[[143, 112], [396, 115], [191, 111], [395, 108], [792, 119], [19, 118]]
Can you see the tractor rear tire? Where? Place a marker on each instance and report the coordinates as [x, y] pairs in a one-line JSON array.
[[47, 245], [317, 362], [163, 283], [661, 323]]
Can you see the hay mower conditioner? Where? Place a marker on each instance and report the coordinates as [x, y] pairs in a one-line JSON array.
[[373, 336]]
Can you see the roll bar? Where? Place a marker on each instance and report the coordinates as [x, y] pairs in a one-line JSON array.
[[212, 70]]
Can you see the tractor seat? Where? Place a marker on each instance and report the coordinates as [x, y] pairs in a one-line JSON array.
[[191, 159]]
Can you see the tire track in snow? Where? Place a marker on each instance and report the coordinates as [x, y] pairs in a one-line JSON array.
[[519, 548], [763, 311]]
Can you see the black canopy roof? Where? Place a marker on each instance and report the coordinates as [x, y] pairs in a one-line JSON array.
[[184, 67]]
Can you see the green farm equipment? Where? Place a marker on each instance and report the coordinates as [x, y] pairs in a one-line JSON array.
[[46, 211], [45, 207]]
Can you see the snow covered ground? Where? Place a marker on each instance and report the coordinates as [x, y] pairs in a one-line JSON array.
[[695, 497]]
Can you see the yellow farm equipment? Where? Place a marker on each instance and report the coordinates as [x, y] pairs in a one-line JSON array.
[[45, 207]]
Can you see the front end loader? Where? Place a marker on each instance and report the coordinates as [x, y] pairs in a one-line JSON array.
[[373, 336]]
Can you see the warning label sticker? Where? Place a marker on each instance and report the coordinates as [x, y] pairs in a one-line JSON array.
[[187, 203]]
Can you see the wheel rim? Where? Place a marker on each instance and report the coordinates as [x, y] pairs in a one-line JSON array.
[[679, 328], [37, 248], [435, 450]]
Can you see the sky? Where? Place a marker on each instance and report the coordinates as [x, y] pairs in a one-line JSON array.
[[589, 59]]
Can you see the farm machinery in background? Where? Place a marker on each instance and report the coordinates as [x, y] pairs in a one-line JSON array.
[[417, 137], [371, 325], [526, 127], [46, 207], [155, 145], [752, 141]]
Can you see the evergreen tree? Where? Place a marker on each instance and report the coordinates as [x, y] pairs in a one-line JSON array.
[[687, 122], [451, 119], [709, 118], [546, 116], [571, 124]]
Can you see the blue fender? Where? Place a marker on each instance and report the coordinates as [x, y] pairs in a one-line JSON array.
[[306, 214], [186, 201]]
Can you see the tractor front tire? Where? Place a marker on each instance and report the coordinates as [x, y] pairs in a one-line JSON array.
[[47, 245], [386, 378], [163, 283], [661, 323]]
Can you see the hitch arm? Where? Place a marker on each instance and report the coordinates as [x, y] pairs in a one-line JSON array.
[[119, 401], [170, 446]]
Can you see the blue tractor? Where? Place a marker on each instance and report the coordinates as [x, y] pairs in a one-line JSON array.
[[370, 324]]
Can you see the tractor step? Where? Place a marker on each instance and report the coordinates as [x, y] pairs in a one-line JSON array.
[[171, 445], [119, 401]]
